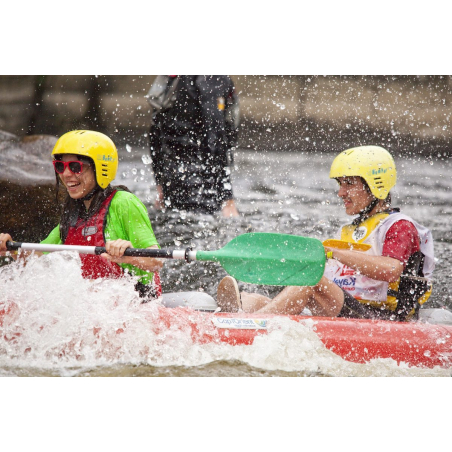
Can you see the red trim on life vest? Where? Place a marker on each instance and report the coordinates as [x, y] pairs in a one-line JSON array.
[[94, 267]]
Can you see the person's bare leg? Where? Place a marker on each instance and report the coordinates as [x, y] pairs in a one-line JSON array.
[[252, 302], [327, 299], [324, 299], [291, 300]]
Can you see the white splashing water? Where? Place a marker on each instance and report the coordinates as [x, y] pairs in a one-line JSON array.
[[56, 320]]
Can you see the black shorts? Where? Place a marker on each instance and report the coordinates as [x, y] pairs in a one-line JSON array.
[[353, 309]]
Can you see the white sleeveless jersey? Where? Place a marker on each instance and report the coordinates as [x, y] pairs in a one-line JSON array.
[[363, 288]]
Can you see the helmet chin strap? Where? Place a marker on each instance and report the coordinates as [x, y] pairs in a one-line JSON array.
[[364, 213], [91, 194]]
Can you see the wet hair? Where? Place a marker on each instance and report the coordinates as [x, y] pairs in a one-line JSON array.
[[73, 209]]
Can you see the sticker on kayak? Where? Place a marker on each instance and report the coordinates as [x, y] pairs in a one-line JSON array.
[[240, 324]]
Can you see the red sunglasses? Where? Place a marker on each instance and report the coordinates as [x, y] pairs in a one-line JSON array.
[[75, 167]]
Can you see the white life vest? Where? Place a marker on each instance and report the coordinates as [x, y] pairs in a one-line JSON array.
[[373, 232]]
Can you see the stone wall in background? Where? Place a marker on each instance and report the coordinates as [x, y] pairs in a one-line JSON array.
[[278, 112], [28, 206]]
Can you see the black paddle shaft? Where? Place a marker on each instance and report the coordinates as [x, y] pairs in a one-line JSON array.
[[138, 252]]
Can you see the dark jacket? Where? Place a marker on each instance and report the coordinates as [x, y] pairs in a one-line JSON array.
[[192, 141]]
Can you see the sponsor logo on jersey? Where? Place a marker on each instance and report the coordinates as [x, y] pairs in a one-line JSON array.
[[347, 271], [89, 230], [345, 283], [359, 233]]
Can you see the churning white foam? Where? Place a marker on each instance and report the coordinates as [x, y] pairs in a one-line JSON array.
[[57, 320]]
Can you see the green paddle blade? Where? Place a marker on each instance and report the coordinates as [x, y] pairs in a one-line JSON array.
[[271, 259]]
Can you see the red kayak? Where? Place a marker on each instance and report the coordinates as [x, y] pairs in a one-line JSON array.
[[417, 344]]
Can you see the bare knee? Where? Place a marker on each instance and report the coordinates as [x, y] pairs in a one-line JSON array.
[[252, 302], [327, 299]]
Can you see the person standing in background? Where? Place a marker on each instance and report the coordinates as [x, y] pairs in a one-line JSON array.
[[193, 133]]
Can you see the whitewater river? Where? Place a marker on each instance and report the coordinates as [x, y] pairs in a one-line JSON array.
[[68, 326]]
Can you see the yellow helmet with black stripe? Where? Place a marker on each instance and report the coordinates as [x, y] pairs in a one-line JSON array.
[[373, 163], [94, 145]]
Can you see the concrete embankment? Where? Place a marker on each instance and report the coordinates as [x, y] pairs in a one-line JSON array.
[[277, 112]]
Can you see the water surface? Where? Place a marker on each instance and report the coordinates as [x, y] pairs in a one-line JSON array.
[[69, 326]]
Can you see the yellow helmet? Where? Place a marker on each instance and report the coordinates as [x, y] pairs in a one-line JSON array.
[[373, 163], [94, 145]]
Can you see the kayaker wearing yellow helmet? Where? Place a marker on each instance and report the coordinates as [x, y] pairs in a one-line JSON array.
[[388, 281], [97, 214]]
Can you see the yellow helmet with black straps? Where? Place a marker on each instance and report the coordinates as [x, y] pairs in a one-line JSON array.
[[373, 163], [94, 145]]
